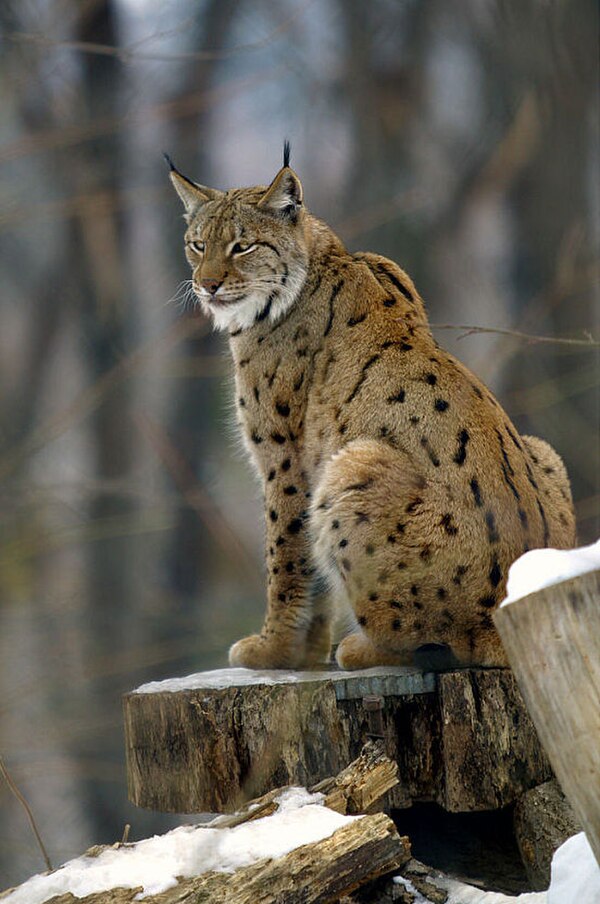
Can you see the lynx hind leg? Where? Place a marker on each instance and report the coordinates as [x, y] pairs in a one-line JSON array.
[[366, 493], [555, 492]]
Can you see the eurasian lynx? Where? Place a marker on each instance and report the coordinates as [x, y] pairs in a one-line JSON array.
[[393, 479]]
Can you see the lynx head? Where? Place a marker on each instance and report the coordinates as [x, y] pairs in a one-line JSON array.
[[247, 247]]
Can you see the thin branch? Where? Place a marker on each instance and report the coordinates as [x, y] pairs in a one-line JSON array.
[[5, 774], [129, 54], [588, 342]]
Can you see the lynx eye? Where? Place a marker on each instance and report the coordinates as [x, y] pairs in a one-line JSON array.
[[198, 247], [239, 249]]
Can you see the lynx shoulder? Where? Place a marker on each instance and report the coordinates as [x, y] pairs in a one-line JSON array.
[[394, 482]]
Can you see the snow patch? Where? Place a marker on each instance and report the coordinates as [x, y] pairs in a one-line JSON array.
[[575, 877], [541, 568], [155, 863]]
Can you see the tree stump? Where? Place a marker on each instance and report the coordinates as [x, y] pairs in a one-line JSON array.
[[552, 638], [211, 741]]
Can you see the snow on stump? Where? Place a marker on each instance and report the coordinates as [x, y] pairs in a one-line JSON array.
[[552, 638], [211, 741]]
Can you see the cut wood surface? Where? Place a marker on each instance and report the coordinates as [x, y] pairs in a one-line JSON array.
[[552, 638], [211, 741]]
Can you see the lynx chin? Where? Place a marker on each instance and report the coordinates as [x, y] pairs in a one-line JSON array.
[[395, 485]]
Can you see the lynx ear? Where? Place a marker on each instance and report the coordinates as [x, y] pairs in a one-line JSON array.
[[284, 194], [192, 194]]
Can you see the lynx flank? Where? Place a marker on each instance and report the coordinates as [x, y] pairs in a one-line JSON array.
[[394, 482]]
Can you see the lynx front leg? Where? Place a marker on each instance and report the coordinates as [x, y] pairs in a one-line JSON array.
[[292, 635]]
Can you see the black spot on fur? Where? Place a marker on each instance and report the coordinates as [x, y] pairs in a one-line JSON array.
[[273, 515], [280, 541], [544, 522], [343, 543], [362, 518], [448, 524], [395, 604], [370, 549], [255, 438], [295, 526], [346, 565], [441, 405], [414, 590], [362, 620], [396, 624], [425, 553], [399, 397], [290, 491], [490, 520], [523, 518], [282, 408], [400, 527], [335, 524], [487, 602], [271, 475], [431, 379], [461, 453], [395, 282], [334, 293], [363, 376], [432, 455], [401, 566], [495, 574], [278, 438], [474, 484], [244, 362], [289, 567], [242, 402], [286, 464], [265, 311], [412, 506], [414, 419], [373, 597], [441, 593], [256, 393], [389, 302], [391, 539], [299, 382], [353, 321]]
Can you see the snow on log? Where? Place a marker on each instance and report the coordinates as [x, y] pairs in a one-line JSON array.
[[211, 741], [287, 846], [552, 638]]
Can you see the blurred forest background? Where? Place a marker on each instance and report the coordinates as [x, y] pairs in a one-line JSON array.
[[460, 139]]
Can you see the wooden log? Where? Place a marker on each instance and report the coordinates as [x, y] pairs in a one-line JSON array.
[[322, 871], [317, 873], [543, 820], [211, 741], [552, 638]]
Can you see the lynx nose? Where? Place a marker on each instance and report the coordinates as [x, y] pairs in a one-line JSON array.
[[211, 285]]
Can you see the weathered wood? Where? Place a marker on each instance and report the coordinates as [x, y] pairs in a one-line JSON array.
[[355, 790], [316, 873], [543, 820], [490, 747], [552, 638], [209, 742]]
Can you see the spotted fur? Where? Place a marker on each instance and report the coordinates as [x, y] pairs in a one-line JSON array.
[[393, 480]]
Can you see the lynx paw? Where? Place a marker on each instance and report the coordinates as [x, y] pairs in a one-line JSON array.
[[357, 652], [255, 652]]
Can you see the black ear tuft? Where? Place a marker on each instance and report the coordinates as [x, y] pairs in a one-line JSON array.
[[172, 166], [286, 152]]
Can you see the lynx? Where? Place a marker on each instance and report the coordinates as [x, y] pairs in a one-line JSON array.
[[394, 482]]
